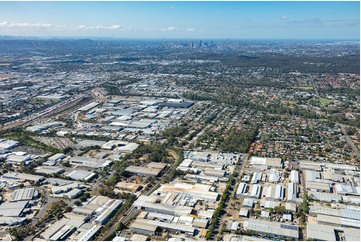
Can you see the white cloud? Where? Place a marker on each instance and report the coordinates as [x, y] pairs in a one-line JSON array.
[[99, 27], [115, 27], [82, 27], [25, 25], [170, 29], [284, 17], [190, 29], [172, 7]]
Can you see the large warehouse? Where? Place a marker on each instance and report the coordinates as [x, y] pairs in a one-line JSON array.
[[273, 228]]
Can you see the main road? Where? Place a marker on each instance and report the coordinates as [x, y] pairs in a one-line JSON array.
[[220, 221], [132, 212]]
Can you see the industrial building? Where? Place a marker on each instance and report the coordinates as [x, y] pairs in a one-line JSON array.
[[326, 197], [244, 212], [22, 177], [141, 226], [330, 233], [6, 144], [149, 227], [318, 186], [342, 189], [19, 159], [247, 202], [273, 175], [214, 172], [196, 191], [57, 230], [38, 128], [143, 171], [107, 210], [11, 221], [342, 213], [151, 169], [291, 192], [53, 160], [24, 194], [110, 145], [126, 186], [148, 203], [159, 216], [338, 221], [89, 234], [13, 209], [200, 223], [81, 175], [272, 228], [268, 162], [256, 177], [89, 162], [255, 191], [49, 170], [295, 177], [274, 192], [309, 165], [242, 190], [280, 192], [269, 204], [90, 143]]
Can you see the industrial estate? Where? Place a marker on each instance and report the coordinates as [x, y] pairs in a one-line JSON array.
[[179, 140]]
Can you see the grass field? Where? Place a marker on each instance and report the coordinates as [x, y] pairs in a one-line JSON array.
[[325, 101]]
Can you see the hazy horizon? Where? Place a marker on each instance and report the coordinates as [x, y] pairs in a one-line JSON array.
[[182, 20]]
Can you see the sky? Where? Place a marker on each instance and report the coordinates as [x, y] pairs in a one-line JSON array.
[[158, 20]]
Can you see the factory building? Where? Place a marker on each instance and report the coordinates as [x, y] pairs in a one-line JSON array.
[[6, 144], [107, 210], [256, 177], [242, 190], [13, 209], [126, 186], [49, 170], [22, 177], [342, 213], [24, 194], [272, 228], [291, 192], [280, 192], [147, 203], [149, 227], [255, 191], [295, 177], [142, 227], [196, 191], [273, 176], [81, 175], [268, 162], [53, 160], [342, 189], [330, 233], [89, 162], [89, 234]]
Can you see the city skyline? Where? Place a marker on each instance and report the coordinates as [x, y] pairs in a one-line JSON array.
[[178, 20]]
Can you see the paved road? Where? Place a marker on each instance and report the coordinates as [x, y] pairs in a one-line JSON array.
[[132, 212], [238, 169], [176, 158]]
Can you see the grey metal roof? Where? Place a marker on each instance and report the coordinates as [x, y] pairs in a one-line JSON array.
[[22, 194]]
